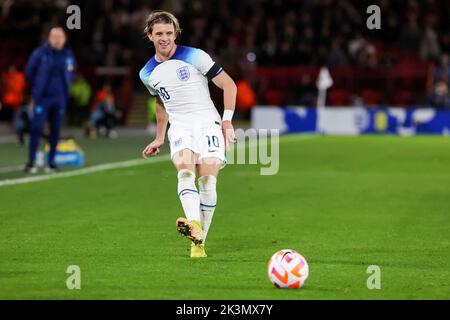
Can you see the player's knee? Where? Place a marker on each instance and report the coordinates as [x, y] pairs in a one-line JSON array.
[[36, 128], [55, 129], [186, 175], [206, 183], [186, 183]]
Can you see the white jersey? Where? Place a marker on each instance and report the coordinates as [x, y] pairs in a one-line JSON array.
[[182, 84]]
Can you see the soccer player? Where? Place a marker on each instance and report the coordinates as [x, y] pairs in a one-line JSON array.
[[198, 137]]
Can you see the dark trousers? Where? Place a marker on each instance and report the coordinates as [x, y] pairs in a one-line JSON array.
[[76, 114], [108, 121], [51, 109]]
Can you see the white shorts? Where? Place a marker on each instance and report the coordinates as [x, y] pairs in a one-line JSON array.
[[203, 141]]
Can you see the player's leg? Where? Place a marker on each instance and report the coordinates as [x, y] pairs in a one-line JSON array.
[[211, 160], [56, 117], [185, 162], [36, 128], [208, 171]]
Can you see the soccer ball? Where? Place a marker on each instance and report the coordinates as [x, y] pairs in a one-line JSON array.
[[287, 269]]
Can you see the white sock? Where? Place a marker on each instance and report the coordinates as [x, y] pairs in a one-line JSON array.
[[208, 199], [188, 194]]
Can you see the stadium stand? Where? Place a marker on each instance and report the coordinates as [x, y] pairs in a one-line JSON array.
[[280, 40]]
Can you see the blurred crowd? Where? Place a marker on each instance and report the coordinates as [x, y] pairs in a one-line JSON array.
[[237, 34], [279, 32]]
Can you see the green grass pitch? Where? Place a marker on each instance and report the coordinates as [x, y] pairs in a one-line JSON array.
[[344, 202]]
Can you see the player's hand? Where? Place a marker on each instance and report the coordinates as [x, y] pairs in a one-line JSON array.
[[152, 149], [228, 134]]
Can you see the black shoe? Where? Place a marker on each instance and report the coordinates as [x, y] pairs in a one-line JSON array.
[[30, 168]]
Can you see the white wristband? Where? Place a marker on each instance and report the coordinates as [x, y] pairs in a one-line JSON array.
[[227, 115]]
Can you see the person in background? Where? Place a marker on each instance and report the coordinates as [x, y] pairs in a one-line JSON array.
[[438, 83], [13, 87], [105, 116], [245, 98], [80, 95], [101, 94], [50, 72], [442, 71], [440, 98], [22, 121]]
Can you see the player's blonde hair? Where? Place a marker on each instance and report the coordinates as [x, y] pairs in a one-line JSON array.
[[159, 16]]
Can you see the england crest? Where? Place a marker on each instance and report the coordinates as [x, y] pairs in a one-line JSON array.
[[183, 73]]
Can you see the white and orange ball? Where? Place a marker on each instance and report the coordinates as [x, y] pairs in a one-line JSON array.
[[288, 269]]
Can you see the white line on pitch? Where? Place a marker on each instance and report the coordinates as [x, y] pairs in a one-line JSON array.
[[93, 169], [109, 166]]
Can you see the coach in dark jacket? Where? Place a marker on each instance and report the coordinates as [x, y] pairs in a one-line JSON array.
[[50, 71]]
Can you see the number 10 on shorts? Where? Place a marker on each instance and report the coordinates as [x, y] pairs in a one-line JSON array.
[[213, 140]]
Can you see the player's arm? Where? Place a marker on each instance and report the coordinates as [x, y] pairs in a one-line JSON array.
[[224, 82], [30, 72], [30, 69], [162, 118]]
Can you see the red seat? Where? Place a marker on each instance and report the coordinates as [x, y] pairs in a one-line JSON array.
[[338, 97], [274, 97], [402, 98], [371, 97]]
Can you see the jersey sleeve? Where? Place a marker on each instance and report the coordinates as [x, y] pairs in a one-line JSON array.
[[144, 79], [205, 64]]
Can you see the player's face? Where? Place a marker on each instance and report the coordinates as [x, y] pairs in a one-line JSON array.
[[57, 38], [163, 37]]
